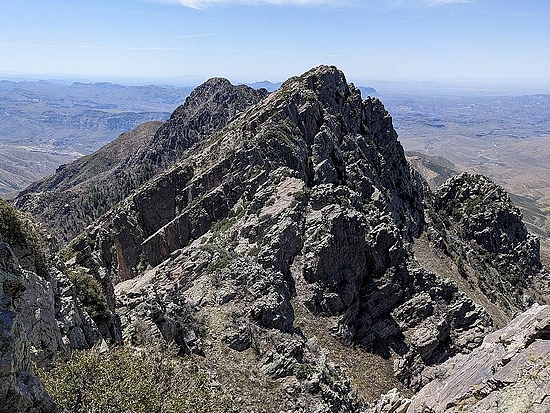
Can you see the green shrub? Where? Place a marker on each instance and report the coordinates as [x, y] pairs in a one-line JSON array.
[[12, 228], [90, 294], [254, 251], [127, 380], [16, 229]]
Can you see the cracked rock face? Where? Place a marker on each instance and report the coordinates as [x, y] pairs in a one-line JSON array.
[[509, 372], [20, 390], [476, 224], [41, 320]]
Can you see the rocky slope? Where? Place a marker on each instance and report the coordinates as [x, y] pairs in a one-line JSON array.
[[509, 372], [273, 235], [83, 190], [476, 224]]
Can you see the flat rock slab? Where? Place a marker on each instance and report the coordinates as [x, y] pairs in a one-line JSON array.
[[509, 372]]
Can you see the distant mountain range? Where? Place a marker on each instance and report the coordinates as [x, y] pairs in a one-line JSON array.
[[266, 84], [45, 124]]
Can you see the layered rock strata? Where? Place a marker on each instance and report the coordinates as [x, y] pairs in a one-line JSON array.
[[509, 372]]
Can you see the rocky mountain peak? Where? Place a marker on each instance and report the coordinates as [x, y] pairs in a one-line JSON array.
[[328, 83], [219, 91], [272, 234], [321, 91], [210, 107], [475, 202], [211, 84], [304, 204]]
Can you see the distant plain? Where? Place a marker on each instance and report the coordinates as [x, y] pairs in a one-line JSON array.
[[506, 138]]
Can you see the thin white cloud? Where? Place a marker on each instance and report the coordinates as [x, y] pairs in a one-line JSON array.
[[439, 2], [203, 4], [89, 46], [252, 52], [428, 3], [193, 36]]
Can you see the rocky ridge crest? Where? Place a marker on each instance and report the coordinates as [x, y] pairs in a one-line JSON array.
[[305, 200], [84, 190]]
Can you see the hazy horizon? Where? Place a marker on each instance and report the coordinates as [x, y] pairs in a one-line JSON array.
[[444, 86]]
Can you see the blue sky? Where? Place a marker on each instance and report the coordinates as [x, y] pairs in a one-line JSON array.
[[163, 41]]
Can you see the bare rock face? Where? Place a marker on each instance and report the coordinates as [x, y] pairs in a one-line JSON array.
[[437, 321], [41, 319], [20, 390], [509, 372], [391, 402]]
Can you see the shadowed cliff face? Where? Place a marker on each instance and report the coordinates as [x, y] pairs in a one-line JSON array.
[[273, 227]]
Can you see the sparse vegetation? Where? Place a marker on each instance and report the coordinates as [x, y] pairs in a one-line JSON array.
[[17, 230], [67, 253], [12, 229], [300, 197], [254, 251], [144, 380], [221, 258], [90, 294]]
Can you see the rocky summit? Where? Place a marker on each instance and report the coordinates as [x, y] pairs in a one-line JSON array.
[[282, 241]]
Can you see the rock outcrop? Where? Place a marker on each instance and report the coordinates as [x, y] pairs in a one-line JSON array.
[[306, 200], [509, 372], [41, 320], [20, 390], [476, 224]]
